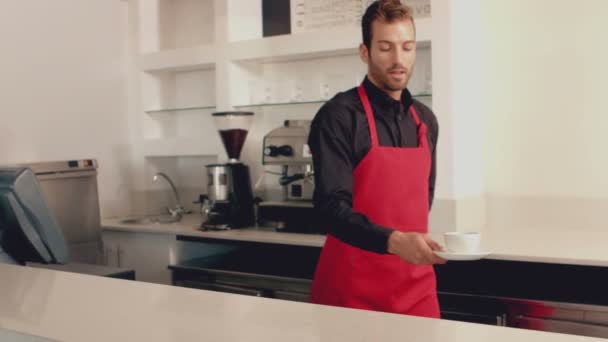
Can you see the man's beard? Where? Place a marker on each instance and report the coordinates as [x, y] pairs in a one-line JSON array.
[[383, 79]]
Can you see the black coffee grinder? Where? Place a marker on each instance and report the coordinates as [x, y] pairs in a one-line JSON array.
[[229, 200]]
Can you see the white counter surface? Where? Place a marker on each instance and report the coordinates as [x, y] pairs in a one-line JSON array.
[[564, 247], [74, 307], [189, 226]]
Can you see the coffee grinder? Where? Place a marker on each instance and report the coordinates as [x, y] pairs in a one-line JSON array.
[[229, 201]]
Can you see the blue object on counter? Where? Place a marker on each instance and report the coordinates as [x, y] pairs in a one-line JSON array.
[[29, 231]]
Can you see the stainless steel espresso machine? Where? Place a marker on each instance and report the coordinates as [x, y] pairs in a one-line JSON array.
[[229, 200], [287, 147]]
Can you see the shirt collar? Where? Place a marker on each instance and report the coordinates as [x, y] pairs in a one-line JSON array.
[[382, 99]]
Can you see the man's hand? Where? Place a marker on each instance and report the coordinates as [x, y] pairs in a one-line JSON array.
[[414, 248]]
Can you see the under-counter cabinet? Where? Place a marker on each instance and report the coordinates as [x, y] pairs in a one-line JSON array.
[[149, 254]]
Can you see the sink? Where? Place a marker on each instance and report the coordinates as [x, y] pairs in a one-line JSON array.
[[158, 219]]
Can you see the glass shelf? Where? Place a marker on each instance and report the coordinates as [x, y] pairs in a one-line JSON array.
[[280, 104], [178, 109], [272, 104]]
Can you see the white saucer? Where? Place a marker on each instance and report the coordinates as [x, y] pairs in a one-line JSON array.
[[447, 255]]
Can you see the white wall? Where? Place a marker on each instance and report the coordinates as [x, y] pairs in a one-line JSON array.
[[518, 89], [456, 59], [63, 90], [545, 75]]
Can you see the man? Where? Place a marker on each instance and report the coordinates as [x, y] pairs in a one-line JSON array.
[[374, 157]]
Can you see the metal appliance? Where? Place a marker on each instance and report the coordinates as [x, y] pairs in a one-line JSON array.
[[70, 190], [229, 200], [287, 147], [558, 317], [49, 218], [28, 229], [255, 269]]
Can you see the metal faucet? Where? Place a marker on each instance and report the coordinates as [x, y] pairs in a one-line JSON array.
[[179, 210]]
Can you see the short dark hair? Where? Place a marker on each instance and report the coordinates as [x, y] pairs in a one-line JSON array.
[[385, 10]]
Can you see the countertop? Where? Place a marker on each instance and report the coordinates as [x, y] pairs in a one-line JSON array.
[[189, 226], [75, 307], [565, 247]]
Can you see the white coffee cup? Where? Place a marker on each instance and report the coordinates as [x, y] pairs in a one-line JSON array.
[[462, 242]]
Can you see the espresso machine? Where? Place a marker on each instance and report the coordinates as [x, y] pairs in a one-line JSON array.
[[229, 200], [287, 147]]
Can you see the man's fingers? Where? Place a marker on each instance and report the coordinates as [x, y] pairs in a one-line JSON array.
[[431, 257], [433, 244]]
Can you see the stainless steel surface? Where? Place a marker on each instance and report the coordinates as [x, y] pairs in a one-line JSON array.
[[178, 210], [89, 252], [559, 326], [287, 146], [62, 166], [267, 281], [66, 174], [215, 226], [70, 190], [230, 289], [569, 318], [470, 308], [293, 134], [260, 285], [578, 319], [161, 219], [293, 296], [111, 257], [290, 217], [302, 188], [287, 204], [118, 256], [217, 186], [502, 320], [600, 317]]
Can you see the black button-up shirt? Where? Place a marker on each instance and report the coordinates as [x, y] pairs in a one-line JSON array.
[[339, 139]]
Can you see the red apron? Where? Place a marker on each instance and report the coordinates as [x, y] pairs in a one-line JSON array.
[[391, 187]]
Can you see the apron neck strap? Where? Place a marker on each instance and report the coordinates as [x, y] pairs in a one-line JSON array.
[[415, 115], [371, 122]]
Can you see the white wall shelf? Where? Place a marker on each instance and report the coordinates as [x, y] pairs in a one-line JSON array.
[[306, 45], [279, 104], [309, 45], [276, 104], [200, 57], [167, 25], [178, 90], [191, 63], [182, 147], [180, 109]]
